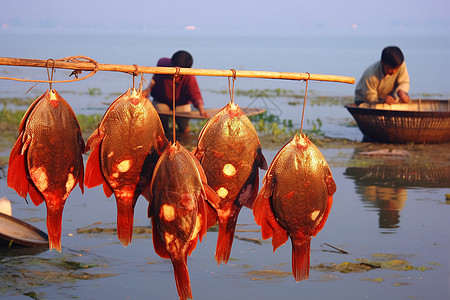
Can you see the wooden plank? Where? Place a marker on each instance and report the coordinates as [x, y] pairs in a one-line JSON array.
[[89, 66], [211, 111]]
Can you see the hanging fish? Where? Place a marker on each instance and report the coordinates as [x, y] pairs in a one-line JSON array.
[[46, 160], [126, 146], [178, 210], [230, 153], [295, 200]]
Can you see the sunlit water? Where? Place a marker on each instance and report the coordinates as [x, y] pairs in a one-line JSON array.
[[401, 219]]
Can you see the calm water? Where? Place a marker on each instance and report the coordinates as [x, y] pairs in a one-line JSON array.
[[385, 208]]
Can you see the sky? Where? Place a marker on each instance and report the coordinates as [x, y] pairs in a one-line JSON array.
[[231, 17]]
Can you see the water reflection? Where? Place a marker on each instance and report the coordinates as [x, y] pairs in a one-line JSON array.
[[387, 200], [384, 187]]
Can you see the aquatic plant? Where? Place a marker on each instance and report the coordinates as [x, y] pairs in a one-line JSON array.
[[94, 91], [88, 123], [16, 101]]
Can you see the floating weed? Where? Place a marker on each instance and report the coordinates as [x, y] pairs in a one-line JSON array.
[[266, 274], [326, 278], [402, 284], [377, 279], [385, 261], [23, 273], [245, 266], [250, 240]]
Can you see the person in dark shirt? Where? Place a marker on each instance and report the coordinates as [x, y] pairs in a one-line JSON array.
[[187, 91]]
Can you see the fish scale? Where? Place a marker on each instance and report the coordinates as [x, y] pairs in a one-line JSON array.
[[46, 160], [178, 210], [126, 146], [229, 151], [295, 200]]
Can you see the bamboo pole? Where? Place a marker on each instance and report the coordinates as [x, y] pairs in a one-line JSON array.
[[90, 66]]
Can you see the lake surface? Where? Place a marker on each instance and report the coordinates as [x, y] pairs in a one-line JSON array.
[[390, 214]]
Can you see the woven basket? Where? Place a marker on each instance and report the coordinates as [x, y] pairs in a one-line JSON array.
[[420, 121]]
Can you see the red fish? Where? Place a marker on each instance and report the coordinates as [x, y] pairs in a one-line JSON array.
[[178, 210], [46, 160], [295, 200], [230, 153], [126, 147]]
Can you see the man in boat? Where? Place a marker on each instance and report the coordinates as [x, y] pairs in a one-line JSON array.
[[186, 91], [386, 81]]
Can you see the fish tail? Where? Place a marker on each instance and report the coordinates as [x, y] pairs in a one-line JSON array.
[[225, 239], [125, 215], [54, 223], [182, 278], [300, 259]]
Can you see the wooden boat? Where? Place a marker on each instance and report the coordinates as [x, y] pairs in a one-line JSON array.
[[211, 111], [419, 121], [17, 232]]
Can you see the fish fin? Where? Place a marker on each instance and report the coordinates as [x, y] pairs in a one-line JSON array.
[[93, 176], [191, 246], [150, 207], [261, 210], [331, 185], [225, 237], [107, 189], [280, 235], [145, 178], [125, 215], [300, 259], [162, 143], [212, 203], [254, 192], [262, 163], [211, 196], [146, 193], [202, 211], [158, 243], [331, 188], [35, 195], [264, 217], [182, 278], [82, 150], [195, 151], [93, 140], [16, 149], [17, 175], [81, 176], [211, 215], [54, 223]]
